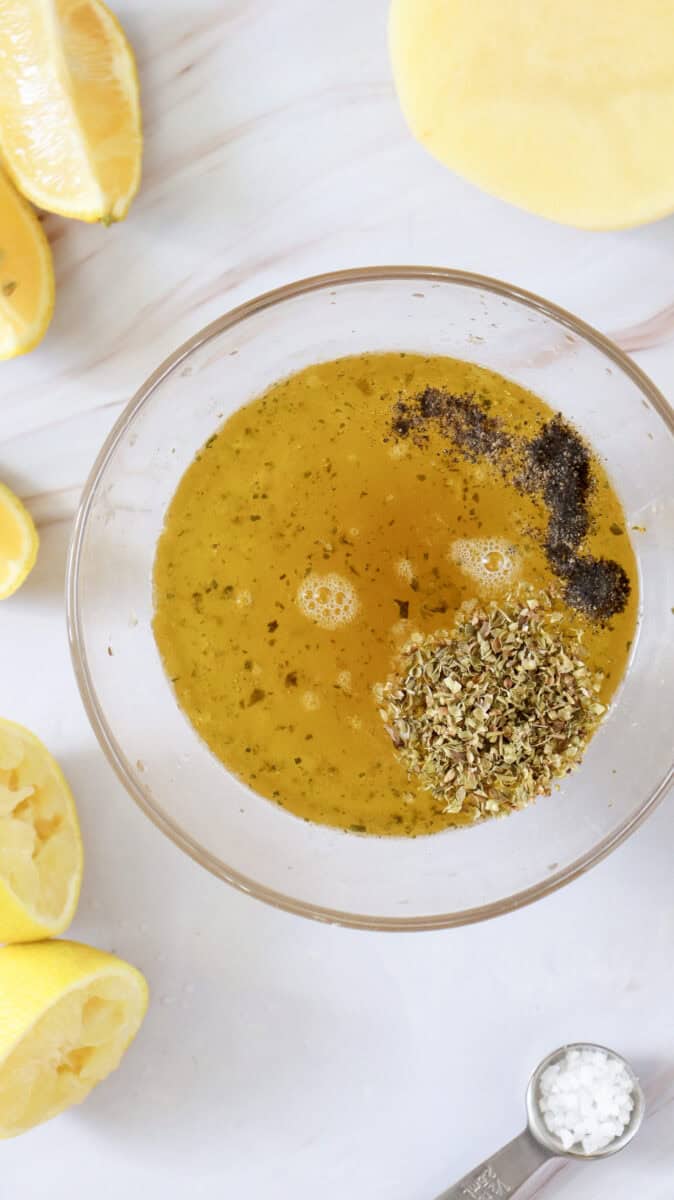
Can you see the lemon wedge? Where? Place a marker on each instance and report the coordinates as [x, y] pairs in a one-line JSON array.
[[70, 125], [40, 844], [67, 1014], [18, 542], [26, 273]]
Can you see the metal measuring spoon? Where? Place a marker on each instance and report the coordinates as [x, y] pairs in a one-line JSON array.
[[504, 1172]]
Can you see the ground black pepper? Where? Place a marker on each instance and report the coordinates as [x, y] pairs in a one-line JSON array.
[[556, 466], [598, 587], [463, 419]]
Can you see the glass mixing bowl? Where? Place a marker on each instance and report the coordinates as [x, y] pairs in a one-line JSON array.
[[449, 878]]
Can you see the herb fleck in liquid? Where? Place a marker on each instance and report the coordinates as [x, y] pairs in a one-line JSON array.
[[306, 482]]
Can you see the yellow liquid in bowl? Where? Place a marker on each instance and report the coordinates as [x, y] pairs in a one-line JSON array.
[[303, 547]]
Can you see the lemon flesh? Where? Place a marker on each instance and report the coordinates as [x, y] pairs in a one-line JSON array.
[[26, 274], [70, 125], [67, 1014], [40, 845], [566, 110], [18, 542]]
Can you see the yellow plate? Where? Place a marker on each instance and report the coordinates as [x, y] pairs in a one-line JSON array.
[[564, 107]]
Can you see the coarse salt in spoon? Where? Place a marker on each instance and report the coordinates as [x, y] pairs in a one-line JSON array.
[[583, 1102]]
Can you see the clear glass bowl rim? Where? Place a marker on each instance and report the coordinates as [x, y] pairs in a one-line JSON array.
[[93, 710]]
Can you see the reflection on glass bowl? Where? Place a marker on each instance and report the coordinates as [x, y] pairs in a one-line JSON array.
[[390, 883]]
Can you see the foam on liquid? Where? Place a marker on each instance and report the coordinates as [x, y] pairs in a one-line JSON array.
[[490, 562], [327, 600]]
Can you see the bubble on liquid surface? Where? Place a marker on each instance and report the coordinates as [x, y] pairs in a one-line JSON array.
[[491, 562], [405, 570], [327, 600]]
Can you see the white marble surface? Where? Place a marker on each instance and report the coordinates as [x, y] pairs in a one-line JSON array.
[[282, 1058]]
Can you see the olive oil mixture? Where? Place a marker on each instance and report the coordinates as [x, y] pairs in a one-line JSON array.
[[319, 529]]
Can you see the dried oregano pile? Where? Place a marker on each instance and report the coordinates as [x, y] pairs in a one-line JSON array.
[[488, 715]]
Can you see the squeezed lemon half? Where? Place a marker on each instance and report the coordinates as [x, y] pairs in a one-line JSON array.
[[40, 845], [67, 1014]]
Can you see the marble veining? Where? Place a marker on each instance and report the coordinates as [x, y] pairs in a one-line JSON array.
[[282, 1058]]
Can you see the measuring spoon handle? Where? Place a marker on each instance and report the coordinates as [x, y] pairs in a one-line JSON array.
[[503, 1173]]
